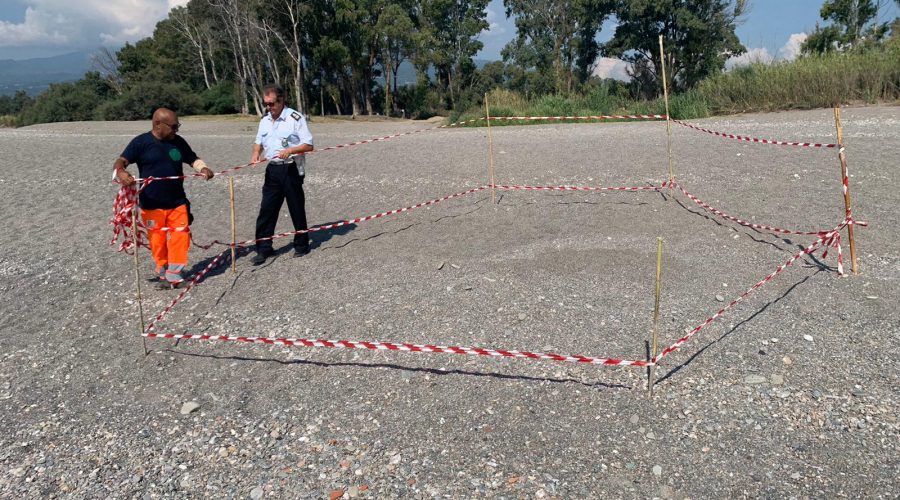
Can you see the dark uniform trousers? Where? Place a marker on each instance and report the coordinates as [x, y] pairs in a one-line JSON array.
[[283, 181]]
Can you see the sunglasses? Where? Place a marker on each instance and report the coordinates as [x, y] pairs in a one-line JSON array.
[[174, 127], [269, 104]]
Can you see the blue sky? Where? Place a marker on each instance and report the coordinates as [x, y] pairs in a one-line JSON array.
[[38, 28]]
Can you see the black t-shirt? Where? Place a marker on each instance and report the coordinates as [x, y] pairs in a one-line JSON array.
[[157, 158]]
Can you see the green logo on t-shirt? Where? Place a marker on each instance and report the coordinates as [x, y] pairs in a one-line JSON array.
[[175, 154]]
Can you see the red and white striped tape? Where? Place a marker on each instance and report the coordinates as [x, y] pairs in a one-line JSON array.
[[390, 346], [754, 139], [742, 222], [570, 118], [578, 188], [323, 227], [122, 218], [825, 239], [197, 279], [831, 237]]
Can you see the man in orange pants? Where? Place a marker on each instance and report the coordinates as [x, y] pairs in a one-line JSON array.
[[161, 153]]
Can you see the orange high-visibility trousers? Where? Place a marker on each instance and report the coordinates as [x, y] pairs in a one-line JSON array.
[[169, 248]]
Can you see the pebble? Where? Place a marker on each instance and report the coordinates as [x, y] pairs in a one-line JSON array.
[[634, 419], [256, 493], [754, 379], [776, 379], [189, 407], [787, 361], [657, 470], [808, 338], [720, 298]]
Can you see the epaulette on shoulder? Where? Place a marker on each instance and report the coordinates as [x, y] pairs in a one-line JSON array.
[[295, 115]]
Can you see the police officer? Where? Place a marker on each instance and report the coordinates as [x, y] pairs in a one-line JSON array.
[[282, 134]]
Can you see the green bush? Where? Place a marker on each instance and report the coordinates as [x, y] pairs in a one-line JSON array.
[[63, 102], [140, 100], [221, 99]]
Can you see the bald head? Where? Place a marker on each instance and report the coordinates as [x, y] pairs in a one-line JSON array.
[[165, 123]]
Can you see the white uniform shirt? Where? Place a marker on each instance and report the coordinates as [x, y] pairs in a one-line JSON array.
[[287, 131]]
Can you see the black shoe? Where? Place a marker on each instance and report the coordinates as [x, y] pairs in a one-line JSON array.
[[259, 258], [168, 285], [301, 251]]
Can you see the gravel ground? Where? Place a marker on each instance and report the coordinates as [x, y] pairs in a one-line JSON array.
[[794, 393]]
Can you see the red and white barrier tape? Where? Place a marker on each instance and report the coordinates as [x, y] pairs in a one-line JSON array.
[[569, 118], [291, 233], [742, 222], [578, 188], [389, 346], [754, 139], [197, 279], [831, 238], [122, 218]]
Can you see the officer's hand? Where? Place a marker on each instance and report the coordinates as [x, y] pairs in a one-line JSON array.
[[124, 177], [207, 172], [284, 154]]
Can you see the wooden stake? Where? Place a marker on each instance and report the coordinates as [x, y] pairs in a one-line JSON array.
[[487, 114], [137, 272], [652, 378], [662, 60], [233, 231], [845, 182]]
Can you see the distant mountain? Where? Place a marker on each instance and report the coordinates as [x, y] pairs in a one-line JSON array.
[[35, 75]]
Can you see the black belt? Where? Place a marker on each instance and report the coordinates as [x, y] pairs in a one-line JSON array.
[[279, 163]]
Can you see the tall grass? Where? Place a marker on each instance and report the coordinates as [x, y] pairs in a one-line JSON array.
[[809, 82], [9, 121]]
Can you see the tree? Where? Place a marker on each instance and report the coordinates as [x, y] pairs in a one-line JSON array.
[[395, 36], [699, 37], [193, 21], [557, 37], [853, 23], [13, 105], [291, 32], [69, 101], [453, 27]]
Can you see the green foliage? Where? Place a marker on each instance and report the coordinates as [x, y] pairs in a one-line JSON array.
[[687, 105], [70, 101], [220, 99], [14, 104], [140, 100], [809, 82], [853, 24], [557, 38], [699, 36]]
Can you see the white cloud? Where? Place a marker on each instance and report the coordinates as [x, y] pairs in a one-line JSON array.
[[83, 24], [610, 67], [788, 52], [752, 56], [791, 49], [495, 27]]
